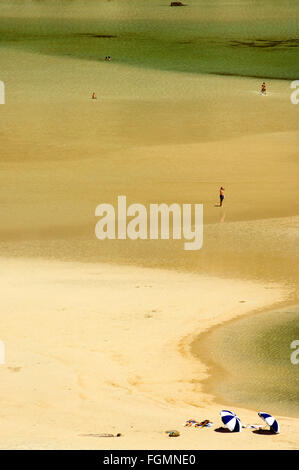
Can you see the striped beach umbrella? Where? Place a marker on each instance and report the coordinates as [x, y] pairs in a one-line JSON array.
[[231, 421], [272, 423]]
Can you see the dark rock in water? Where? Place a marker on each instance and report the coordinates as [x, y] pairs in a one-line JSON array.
[[177, 4]]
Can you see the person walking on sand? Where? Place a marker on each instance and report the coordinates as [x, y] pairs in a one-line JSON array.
[[221, 195]]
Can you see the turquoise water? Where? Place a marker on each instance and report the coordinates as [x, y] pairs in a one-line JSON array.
[[253, 358], [246, 37]]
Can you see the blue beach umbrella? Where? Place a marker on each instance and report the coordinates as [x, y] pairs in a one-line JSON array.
[[272, 423], [231, 421]]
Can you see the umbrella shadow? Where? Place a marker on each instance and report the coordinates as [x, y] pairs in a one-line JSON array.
[[222, 429], [266, 432]]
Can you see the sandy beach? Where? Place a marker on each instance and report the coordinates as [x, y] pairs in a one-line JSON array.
[[98, 334], [97, 349]]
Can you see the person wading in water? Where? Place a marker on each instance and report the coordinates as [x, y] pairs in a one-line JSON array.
[[264, 89]]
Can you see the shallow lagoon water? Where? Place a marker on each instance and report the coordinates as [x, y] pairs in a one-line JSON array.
[[253, 355], [243, 38]]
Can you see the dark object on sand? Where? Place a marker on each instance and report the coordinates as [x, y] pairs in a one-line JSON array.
[[174, 434], [204, 423], [101, 435], [177, 4]]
